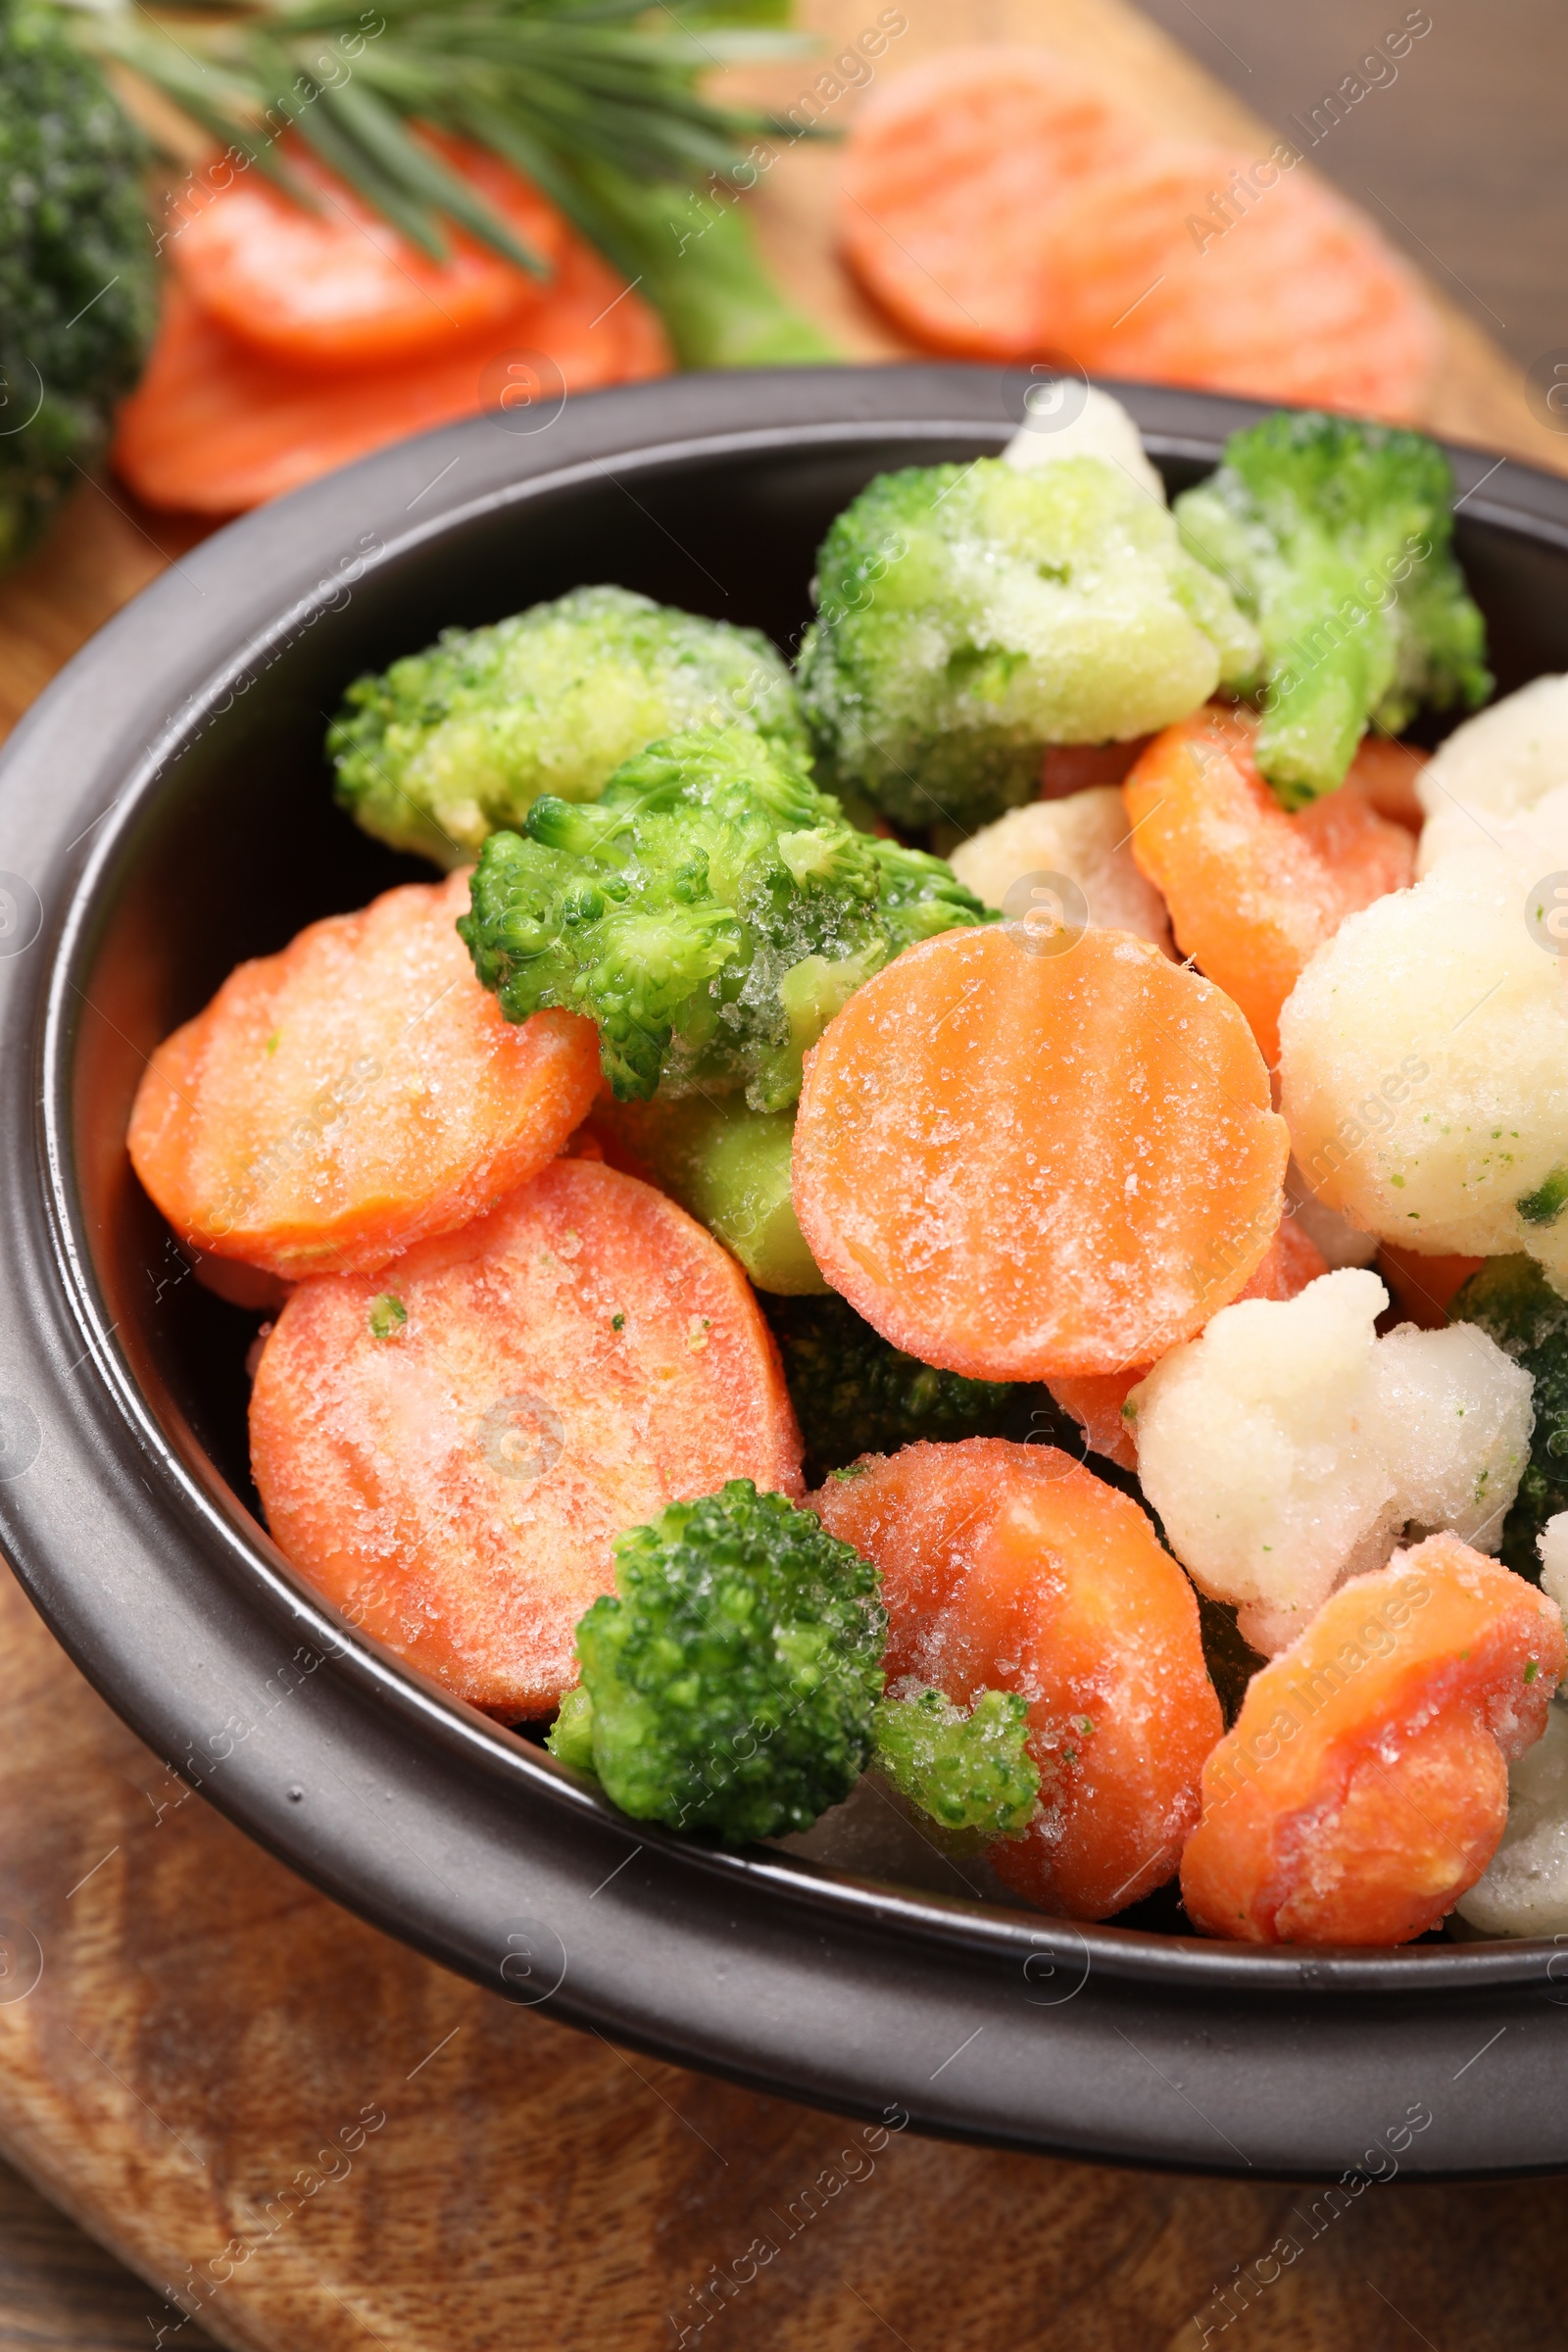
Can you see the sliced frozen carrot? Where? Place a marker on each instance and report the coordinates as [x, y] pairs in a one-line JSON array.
[[1016, 1164], [340, 287], [214, 427], [1013, 1566], [1422, 1286], [1003, 202], [1071, 768], [447, 1451], [1254, 893], [949, 170], [342, 1099], [1095, 1399], [1387, 771], [1364, 1785], [1287, 294]]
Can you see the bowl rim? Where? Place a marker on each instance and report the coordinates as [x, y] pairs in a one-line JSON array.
[[93, 724]]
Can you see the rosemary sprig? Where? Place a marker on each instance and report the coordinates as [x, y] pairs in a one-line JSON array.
[[597, 101]]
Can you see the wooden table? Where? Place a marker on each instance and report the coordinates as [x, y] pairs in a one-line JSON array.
[[203, 2024]]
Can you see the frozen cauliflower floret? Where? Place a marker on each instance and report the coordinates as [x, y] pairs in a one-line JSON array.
[[1424, 1057], [1524, 1889], [1288, 1447], [1084, 837], [1058, 427], [1497, 764], [1553, 1546]]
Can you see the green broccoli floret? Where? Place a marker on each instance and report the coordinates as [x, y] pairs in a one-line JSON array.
[[970, 614], [711, 912], [733, 1676], [1514, 1304], [968, 1769], [77, 295], [854, 1394], [730, 1167], [1336, 537], [450, 744]]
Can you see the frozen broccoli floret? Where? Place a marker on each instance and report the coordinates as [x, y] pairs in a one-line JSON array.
[[967, 616], [733, 1676], [1515, 1305], [710, 911], [854, 1394], [968, 1769], [730, 1166], [1336, 537], [448, 745]]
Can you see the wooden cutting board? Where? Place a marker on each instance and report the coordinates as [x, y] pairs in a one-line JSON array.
[[306, 2137]]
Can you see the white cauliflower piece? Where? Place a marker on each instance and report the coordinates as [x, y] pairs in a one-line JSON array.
[[1524, 1890], [1084, 836], [1100, 428], [1288, 1447], [1424, 1057], [1497, 765], [1337, 1242]]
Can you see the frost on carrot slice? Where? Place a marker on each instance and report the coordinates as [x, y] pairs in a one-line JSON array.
[[1096, 1400], [1254, 893], [354, 1094], [445, 1450], [1017, 1165], [1013, 1567], [1364, 1785]]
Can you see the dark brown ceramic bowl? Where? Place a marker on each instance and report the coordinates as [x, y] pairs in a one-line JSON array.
[[165, 810]]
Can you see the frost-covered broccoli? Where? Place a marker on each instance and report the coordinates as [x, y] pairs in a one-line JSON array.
[[968, 1768], [448, 745], [711, 912], [855, 1394], [967, 616], [1514, 1304], [730, 1167], [1289, 1447], [732, 1678], [1336, 537]]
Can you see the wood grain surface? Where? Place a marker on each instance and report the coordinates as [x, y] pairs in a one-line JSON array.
[[300, 2136]]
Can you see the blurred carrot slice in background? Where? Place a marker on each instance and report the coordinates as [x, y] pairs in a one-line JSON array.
[[344, 1098], [949, 171], [1015, 1164], [446, 1450], [341, 287], [1010, 1566], [1004, 204], [1364, 1785], [214, 427], [1254, 893]]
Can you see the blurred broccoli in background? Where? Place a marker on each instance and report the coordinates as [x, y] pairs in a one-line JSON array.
[[450, 744], [1514, 1304], [731, 1679], [1336, 537], [968, 615], [710, 911], [77, 305], [856, 1394], [968, 1768]]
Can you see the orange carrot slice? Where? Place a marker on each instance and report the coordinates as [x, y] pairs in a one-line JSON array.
[[340, 287], [215, 426], [1364, 1785], [1252, 893], [946, 174], [346, 1098], [1017, 1165], [1002, 203], [1095, 1399], [446, 1453], [1387, 771], [1011, 1566], [1421, 1287]]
